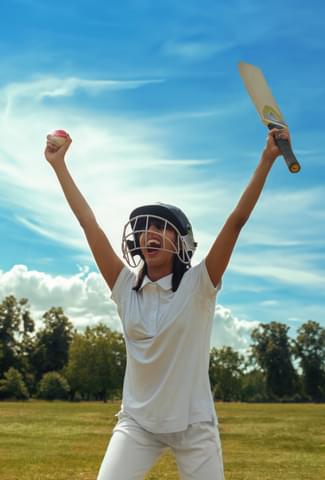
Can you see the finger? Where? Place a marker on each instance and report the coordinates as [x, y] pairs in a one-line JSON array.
[[66, 144], [50, 150], [282, 135], [271, 138], [279, 134], [52, 145]]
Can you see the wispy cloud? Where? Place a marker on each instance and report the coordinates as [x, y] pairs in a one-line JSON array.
[[282, 267], [58, 234], [222, 112], [119, 163], [110, 156], [195, 50], [52, 87], [291, 310]]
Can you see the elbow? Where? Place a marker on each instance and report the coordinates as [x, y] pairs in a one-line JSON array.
[[239, 220]]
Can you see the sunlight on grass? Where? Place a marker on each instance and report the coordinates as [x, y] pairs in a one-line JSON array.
[[60, 441]]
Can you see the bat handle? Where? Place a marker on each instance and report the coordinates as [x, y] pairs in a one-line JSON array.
[[286, 151]]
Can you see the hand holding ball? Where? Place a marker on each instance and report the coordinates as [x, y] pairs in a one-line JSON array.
[[56, 139]]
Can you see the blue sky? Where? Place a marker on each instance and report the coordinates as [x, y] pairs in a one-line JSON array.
[[151, 95]]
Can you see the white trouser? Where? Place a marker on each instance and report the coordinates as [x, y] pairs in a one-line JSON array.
[[132, 451]]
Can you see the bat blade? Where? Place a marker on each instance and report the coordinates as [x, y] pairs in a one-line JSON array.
[[266, 106], [261, 94]]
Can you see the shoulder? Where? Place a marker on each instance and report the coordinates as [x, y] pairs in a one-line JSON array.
[[123, 284], [198, 280]]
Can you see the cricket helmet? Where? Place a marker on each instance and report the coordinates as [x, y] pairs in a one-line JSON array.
[[164, 216]]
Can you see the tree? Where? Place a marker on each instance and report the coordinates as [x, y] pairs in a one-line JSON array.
[[80, 365], [52, 342], [53, 386], [13, 386], [272, 352], [225, 371], [96, 364], [16, 327], [309, 348], [253, 386]]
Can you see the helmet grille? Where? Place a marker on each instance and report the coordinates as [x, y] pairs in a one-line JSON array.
[[183, 246]]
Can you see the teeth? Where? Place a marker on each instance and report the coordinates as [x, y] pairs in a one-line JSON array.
[[153, 243]]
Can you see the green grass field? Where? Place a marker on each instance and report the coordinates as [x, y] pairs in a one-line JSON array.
[[64, 441]]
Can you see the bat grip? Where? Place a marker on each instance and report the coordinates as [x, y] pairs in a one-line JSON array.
[[286, 151]]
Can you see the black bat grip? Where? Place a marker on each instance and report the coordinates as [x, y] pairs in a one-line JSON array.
[[286, 151]]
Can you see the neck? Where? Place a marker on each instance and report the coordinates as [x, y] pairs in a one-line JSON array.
[[155, 273]]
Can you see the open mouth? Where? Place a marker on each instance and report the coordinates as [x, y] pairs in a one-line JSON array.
[[153, 246]]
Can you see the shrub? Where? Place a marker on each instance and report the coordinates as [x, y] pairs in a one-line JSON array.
[[13, 386], [53, 386]]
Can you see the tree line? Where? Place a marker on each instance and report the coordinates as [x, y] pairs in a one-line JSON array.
[[58, 362]]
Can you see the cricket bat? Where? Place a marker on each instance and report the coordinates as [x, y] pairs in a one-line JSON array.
[[267, 108]]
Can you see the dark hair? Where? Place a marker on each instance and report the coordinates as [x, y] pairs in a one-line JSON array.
[[179, 268]]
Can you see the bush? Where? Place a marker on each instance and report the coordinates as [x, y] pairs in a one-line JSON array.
[[13, 386], [296, 398], [53, 386], [253, 387]]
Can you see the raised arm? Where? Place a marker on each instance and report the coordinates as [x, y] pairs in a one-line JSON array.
[[219, 255], [108, 262]]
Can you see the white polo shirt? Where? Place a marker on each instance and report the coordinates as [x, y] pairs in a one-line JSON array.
[[167, 336]]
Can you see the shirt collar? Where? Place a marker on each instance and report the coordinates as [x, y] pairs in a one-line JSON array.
[[165, 282]]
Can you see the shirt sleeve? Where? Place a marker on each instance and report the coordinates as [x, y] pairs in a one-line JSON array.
[[121, 289], [202, 281]]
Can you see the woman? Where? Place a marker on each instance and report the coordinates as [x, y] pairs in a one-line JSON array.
[[166, 312]]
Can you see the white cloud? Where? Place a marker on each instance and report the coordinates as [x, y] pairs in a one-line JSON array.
[[84, 296], [85, 299], [231, 331]]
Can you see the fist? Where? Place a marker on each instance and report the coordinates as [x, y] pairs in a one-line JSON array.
[[272, 150], [56, 139]]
